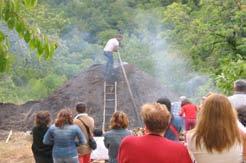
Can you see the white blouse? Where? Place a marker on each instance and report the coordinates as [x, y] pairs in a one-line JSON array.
[[233, 155], [101, 152]]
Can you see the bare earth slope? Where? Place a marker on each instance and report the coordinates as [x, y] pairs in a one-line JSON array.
[[88, 87]]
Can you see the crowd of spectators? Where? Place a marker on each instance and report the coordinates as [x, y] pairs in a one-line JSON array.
[[213, 131]]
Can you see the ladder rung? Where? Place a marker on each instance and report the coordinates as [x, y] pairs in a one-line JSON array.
[[109, 97], [112, 99], [110, 85], [109, 107], [111, 111]]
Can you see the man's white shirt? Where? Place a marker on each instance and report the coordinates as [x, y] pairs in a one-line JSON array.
[[111, 45]]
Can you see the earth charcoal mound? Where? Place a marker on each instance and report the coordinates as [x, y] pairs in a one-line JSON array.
[[88, 86]]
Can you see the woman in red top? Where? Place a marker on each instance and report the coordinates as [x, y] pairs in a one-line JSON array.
[[188, 111]]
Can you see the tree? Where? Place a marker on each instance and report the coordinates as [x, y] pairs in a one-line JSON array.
[[213, 35], [10, 15]]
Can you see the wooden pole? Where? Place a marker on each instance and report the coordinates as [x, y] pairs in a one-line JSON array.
[[104, 106], [129, 89], [10, 134], [115, 97]]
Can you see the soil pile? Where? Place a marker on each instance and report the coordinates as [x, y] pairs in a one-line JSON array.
[[88, 87]]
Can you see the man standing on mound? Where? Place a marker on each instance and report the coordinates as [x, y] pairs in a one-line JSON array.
[[111, 47]]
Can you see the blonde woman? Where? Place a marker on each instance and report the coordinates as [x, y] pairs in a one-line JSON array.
[[216, 137], [112, 138]]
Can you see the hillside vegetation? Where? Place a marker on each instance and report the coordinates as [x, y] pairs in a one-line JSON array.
[[171, 40]]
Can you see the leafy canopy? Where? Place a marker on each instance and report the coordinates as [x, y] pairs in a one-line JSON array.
[[10, 15]]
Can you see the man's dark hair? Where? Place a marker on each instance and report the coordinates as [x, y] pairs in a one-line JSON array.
[[185, 101], [165, 101], [242, 114], [81, 107], [240, 85]]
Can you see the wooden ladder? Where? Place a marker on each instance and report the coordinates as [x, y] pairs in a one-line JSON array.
[[110, 102]]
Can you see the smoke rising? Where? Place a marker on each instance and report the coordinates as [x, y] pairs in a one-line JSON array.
[[169, 65], [146, 46]]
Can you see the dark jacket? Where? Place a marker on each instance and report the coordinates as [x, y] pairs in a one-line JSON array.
[[38, 148]]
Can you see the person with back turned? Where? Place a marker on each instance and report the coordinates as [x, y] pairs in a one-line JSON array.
[[86, 123], [175, 126], [238, 99], [64, 136], [153, 147], [42, 153]]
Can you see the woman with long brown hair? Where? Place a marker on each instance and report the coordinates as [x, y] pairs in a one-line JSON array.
[[63, 135], [216, 137]]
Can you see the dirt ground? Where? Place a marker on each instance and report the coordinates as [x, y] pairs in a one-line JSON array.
[[17, 150]]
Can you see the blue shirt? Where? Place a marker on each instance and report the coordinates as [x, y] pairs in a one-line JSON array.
[[177, 123], [112, 140], [64, 140]]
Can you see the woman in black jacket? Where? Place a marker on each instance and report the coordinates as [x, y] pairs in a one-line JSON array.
[[42, 153]]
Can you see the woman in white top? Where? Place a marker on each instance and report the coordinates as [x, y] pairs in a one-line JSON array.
[[216, 137]]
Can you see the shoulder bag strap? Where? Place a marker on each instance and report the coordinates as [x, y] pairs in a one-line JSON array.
[[174, 130], [87, 128]]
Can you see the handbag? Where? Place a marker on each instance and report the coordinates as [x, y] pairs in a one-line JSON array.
[[91, 142]]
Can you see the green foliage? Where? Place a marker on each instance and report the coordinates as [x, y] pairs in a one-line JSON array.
[[137, 53], [10, 14], [34, 90], [6, 90], [230, 70], [106, 35], [30, 3], [210, 34], [4, 53], [50, 20], [37, 89]]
